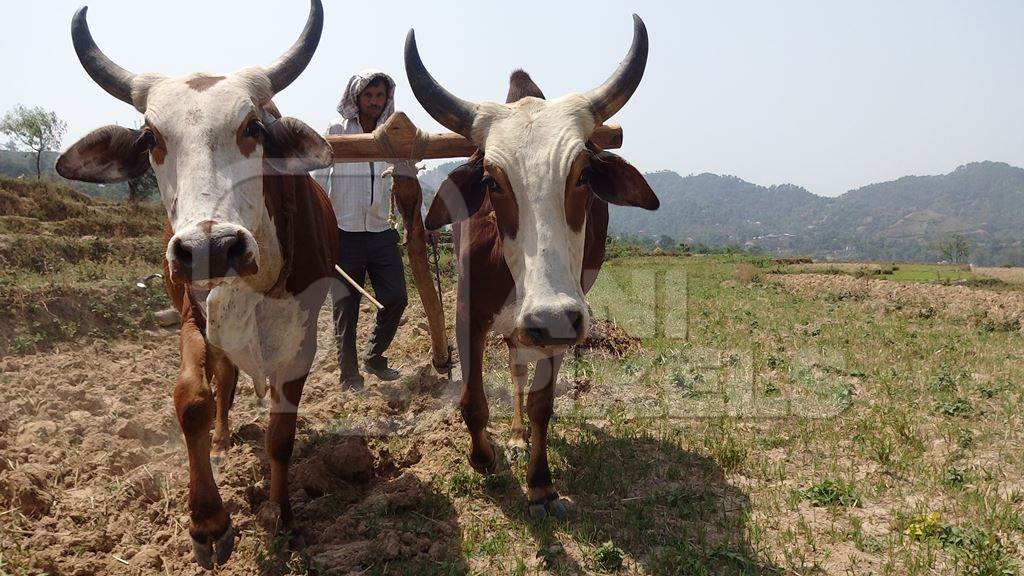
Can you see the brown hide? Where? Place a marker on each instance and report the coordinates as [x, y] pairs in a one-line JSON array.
[[486, 282], [306, 235], [306, 229]]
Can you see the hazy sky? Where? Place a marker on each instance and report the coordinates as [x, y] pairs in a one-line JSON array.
[[827, 95]]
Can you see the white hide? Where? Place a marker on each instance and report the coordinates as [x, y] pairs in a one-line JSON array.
[[205, 176], [536, 142]]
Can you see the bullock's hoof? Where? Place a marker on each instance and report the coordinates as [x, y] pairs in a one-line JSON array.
[[562, 508], [216, 551], [517, 450], [553, 506], [444, 366], [537, 511], [270, 518], [492, 467], [486, 469], [217, 455]]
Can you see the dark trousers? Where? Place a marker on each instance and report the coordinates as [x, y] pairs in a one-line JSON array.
[[376, 254]]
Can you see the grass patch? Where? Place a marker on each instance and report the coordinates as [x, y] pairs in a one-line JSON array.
[[608, 557], [832, 493]]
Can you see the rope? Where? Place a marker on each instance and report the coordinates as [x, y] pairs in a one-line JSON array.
[[420, 141], [419, 144]]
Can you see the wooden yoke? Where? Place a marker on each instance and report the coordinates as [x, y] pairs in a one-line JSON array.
[[399, 139]]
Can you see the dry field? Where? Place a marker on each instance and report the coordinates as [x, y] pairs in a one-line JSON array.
[[1010, 275], [752, 423]]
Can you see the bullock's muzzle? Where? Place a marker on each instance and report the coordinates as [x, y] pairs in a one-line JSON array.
[[551, 327], [212, 251]]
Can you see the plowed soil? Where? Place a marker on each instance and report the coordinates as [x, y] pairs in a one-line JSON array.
[[93, 477]]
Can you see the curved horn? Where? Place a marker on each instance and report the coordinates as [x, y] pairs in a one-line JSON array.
[[294, 61], [111, 77], [451, 111], [608, 98]]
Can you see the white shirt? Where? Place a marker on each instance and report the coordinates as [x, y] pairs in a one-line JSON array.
[[360, 197]]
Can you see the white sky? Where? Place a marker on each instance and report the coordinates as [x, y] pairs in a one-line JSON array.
[[825, 94]]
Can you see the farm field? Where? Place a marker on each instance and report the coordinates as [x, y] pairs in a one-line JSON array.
[[730, 421], [990, 277], [1010, 275]]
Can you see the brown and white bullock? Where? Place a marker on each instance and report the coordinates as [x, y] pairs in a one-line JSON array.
[[250, 245], [530, 214]]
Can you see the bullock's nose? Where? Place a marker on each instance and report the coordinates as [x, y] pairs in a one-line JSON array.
[[212, 252], [552, 326]]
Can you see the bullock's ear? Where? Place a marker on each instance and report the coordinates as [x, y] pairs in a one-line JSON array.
[[292, 147], [460, 195], [108, 154], [617, 182]]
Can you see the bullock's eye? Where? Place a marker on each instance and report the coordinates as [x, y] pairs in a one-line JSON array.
[[147, 139], [584, 178], [490, 184], [254, 129]]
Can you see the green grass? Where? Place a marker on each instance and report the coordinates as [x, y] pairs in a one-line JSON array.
[[751, 401], [832, 493]]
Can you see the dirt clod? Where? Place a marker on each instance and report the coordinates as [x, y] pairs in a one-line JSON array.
[[25, 487]]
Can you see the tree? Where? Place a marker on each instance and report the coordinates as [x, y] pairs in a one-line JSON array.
[[143, 187], [665, 241], [37, 129], [954, 249]]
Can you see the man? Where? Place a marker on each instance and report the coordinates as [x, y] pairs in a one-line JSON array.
[[369, 243]]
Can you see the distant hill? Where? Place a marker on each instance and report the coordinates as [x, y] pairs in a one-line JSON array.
[[430, 180], [898, 220]]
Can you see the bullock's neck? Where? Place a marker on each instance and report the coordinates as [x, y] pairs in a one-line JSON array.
[[272, 255], [268, 231]]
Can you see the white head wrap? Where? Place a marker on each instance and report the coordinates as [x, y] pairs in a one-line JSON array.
[[348, 107]]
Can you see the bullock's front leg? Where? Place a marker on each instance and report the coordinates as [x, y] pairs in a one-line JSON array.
[[210, 527], [473, 404], [284, 408], [518, 438], [224, 376], [285, 394], [539, 405]]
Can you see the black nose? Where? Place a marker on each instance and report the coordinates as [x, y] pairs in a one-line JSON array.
[[206, 257], [551, 327]]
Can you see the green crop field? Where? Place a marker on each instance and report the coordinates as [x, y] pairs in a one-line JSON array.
[[781, 433]]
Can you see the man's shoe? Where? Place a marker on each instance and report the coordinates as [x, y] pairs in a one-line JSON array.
[[352, 382], [382, 371]]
